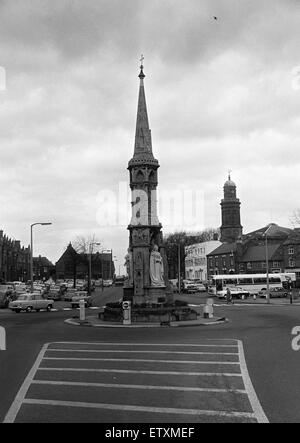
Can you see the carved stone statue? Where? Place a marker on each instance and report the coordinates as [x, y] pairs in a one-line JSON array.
[[156, 268], [128, 265]]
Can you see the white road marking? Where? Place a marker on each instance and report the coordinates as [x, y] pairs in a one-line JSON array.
[[255, 403], [146, 387], [183, 345], [15, 407], [114, 351], [257, 414], [128, 371], [144, 360], [179, 411]]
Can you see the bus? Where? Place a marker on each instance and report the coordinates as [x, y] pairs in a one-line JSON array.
[[253, 283]]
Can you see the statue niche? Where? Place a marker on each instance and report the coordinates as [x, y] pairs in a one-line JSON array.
[[156, 268]]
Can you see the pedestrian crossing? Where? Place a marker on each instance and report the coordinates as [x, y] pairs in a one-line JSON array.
[[126, 382]]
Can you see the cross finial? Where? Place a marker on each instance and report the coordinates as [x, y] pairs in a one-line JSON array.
[[142, 75], [229, 171]]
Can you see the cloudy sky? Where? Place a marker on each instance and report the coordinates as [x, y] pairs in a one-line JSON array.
[[221, 94]]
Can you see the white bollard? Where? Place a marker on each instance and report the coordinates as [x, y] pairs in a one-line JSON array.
[[82, 310], [2, 339], [126, 305], [208, 311]]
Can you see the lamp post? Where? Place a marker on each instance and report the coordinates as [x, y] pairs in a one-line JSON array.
[[31, 250], [179, 270], [90, 264], [267, 265], [110, 264], [101, 258]]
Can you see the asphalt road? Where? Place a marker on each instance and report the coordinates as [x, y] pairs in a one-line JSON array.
[[265, 332]]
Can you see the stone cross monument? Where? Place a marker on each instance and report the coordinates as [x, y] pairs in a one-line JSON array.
[[146, 260]]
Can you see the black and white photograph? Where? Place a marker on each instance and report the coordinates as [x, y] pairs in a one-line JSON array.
[[149, 214]]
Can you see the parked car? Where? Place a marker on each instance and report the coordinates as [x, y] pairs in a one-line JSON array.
[[274, 293], [29, 302], [98, 283], [4, 300], [200, 286], [8, 290], [54, 294], [81, 295], [107, 283], [236, 292], [69, 294], [174, 284], [188, 287], [119, 281]]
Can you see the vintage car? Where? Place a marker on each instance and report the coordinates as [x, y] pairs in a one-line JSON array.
[[235, 291], [274, 293], [29, 302], [54, 294], [69, 294], [81, 295]]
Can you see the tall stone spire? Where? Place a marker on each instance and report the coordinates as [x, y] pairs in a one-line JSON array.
[[145, 230], [143, 142]]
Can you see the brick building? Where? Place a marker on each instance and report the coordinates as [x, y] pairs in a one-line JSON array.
[[14, 260], [73, 265], [43, 269], [248, 255]]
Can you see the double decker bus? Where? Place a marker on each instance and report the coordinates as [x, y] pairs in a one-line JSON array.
[[253, 283]]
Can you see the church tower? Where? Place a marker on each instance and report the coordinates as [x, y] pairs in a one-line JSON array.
[[144, 228], [231, 229]]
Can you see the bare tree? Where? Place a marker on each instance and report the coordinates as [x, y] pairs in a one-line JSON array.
[[85, 245], [295, 218]]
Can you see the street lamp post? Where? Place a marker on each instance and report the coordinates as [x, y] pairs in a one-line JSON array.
[[90, 265], [31, 251], [179, 279], [267, 265]]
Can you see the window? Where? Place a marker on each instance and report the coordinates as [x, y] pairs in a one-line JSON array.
[[275, 280], [245, 281], [260, 280], [291, 250], [230, 281], [276, 264], [249, 265], [291, 262]]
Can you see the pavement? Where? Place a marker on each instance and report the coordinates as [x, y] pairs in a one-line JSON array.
[[94, 321]]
